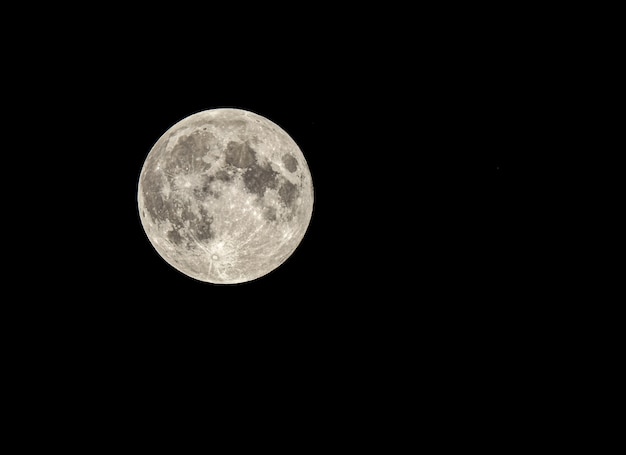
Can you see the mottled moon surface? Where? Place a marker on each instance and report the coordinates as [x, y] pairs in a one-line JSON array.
[[225, 196]]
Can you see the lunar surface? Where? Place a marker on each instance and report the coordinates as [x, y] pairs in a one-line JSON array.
[[225, 196]]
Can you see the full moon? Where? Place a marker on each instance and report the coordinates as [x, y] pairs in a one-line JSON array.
[[225, 196]]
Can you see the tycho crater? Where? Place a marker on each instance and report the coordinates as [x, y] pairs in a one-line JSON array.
[[225, 196]]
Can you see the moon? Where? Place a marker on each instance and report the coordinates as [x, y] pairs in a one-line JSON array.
[[225, 196]]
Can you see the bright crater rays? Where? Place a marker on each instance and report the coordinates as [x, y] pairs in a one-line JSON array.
[[225, 196]]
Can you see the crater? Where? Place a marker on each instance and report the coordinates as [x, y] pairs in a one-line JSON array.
[[291, 164]]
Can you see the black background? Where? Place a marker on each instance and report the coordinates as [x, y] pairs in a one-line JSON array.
[[412, 133], [398, 194], [417, 129]]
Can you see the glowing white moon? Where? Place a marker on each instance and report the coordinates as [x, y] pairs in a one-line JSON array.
[[225, 196]]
